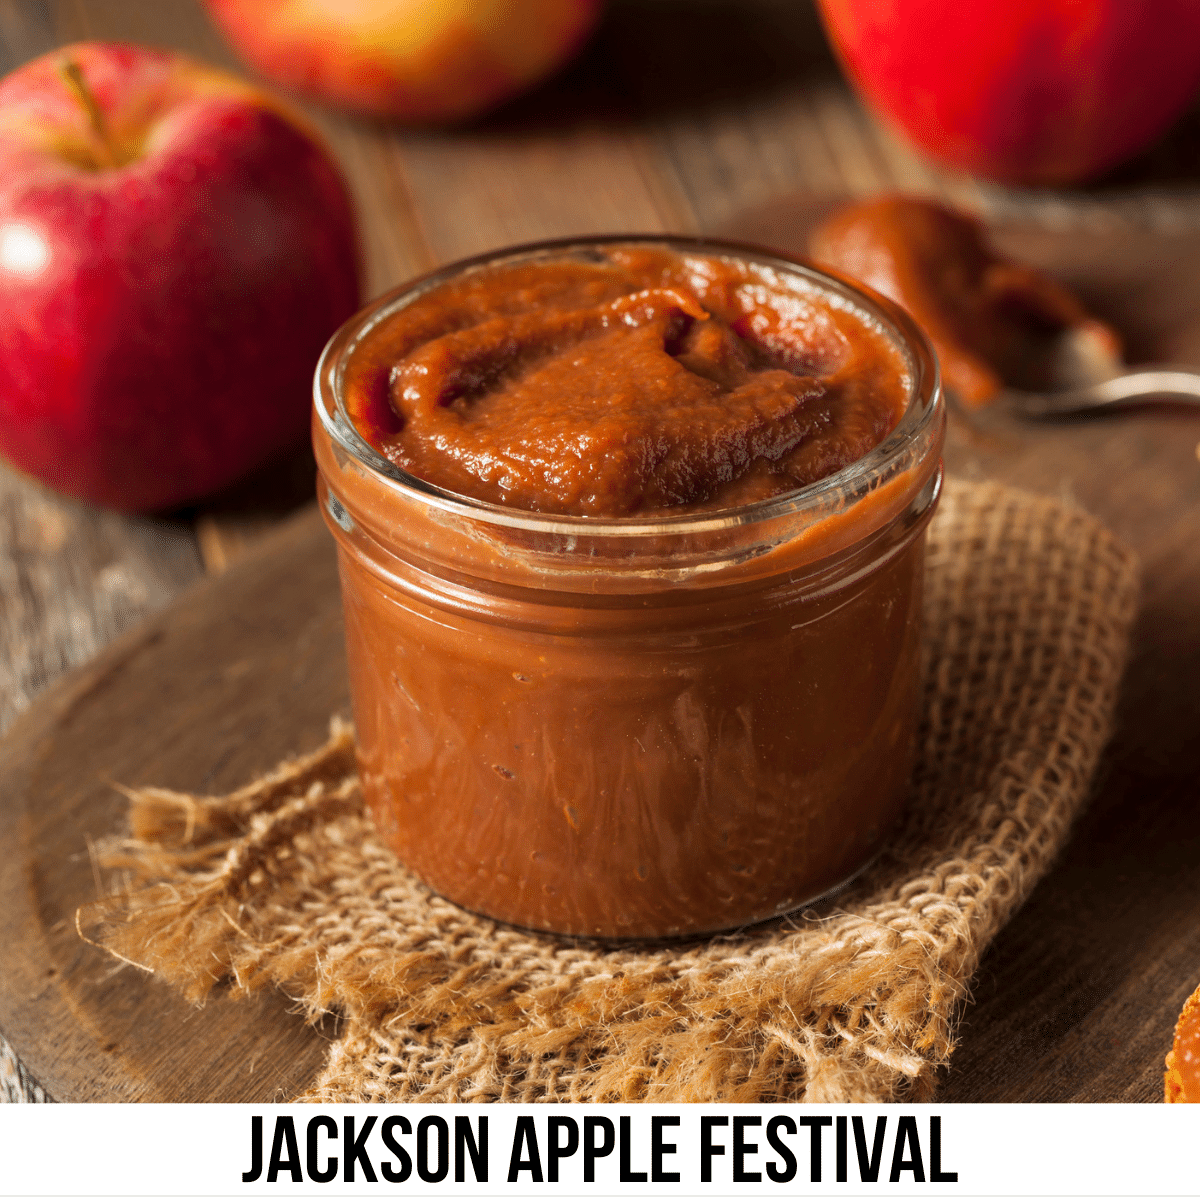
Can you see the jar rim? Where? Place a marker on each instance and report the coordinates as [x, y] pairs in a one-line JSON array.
[[918, 426]]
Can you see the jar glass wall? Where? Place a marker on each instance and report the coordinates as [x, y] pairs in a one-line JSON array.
[[635, 727]]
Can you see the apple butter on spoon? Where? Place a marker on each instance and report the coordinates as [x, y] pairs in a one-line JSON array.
[[1000, 328], [994, 323]]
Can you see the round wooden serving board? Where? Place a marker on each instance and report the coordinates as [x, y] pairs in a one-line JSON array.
[[1076, 999]]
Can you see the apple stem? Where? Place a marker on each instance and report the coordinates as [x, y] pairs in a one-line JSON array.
[[72, 77]]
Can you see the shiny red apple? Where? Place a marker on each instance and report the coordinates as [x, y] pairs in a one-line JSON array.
[[175, 248], [421, 61], [1023, 91]]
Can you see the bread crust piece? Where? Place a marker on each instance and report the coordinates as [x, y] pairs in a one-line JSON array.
[[1172, 1080]]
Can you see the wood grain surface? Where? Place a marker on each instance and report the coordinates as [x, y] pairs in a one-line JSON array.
[[681, 114], [202, 696]]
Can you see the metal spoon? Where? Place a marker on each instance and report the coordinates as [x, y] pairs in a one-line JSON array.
[[1136, 386], [1084, 376]]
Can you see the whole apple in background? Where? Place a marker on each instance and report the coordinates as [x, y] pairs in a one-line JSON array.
[[175, 249], [421, 61], [1023, 91]]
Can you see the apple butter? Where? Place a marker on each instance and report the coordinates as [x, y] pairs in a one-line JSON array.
[[1183, 1063], [642, 382], [1187, 1055], [993, 322], [631, 541]]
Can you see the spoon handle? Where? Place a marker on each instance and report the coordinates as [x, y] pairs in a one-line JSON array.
[[1139, 385]]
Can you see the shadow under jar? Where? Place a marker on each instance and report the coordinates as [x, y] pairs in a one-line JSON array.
[[660, 724]]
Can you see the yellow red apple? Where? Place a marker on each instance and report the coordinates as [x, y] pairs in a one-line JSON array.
[[421, 61], [175, 248]]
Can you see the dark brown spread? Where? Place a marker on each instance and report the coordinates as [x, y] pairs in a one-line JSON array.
[[992, 321], [639, 381]]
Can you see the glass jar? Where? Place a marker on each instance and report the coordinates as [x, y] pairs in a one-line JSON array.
[[635, 727]]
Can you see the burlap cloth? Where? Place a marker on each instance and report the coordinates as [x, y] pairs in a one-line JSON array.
[[285, 884]]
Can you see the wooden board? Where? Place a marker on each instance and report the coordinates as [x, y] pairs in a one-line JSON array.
[[246, 669], [1076, 999]]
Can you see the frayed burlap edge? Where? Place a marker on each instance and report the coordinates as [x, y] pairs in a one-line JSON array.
[[284, 883]]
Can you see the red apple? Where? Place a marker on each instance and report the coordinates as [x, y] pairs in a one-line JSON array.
[[423, 61], [175, 248], [1023, 91]]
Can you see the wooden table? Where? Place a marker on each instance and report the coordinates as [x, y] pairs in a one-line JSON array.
[[684, 115]]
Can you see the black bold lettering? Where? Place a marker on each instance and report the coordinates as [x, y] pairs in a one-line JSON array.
[[841, 1149], [906, 1135], [464, 1143], [936, 1174], [525, 1138], [868, 1169], [354, 1150], [707, 1149], [316, 1172], [774, 1125], [741, 1148], [816, 1129], [628, 1175], [658, 1148], [557, 1150], [591, 1151], [389, 1140], [285, 1131], [442, 1169], [256, 1154]]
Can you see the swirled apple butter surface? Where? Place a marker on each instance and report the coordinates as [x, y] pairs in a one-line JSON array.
[[641, 382], [667, 725]]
